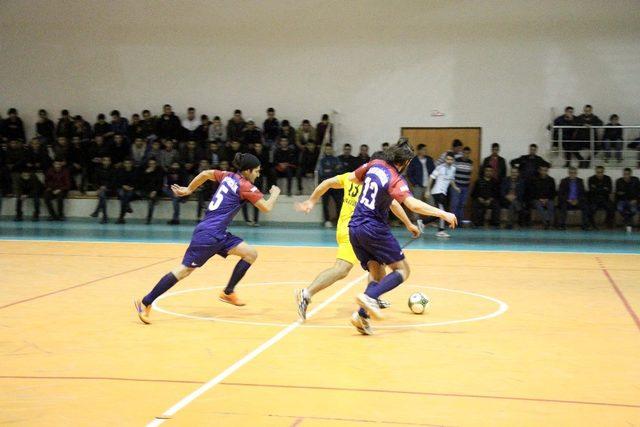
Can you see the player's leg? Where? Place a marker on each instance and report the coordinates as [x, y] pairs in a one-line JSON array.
[[248, 256], [368, 300], [376, 273], [328, 277], [143, 307]]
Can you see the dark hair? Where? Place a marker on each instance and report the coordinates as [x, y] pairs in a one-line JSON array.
[[379, 155], [568, 107], [305, 122], [64, 112], [614, 116], [450, 154], [237, 112], [457, 143], [12, 111], [135, 115], [467, 148], [325, 117], [216, 118], [42, 110], [166, 105], [101, 116], [588, 106], [191, 109], [244, 161], [270, 110], [115, 113], [364, 145], [400, 153], [346, 145], [385, 144], [572, 169], [420, 146], [285, 123], [627, 170], [495, 145], [600, 167], [533, 145], [77, 117], [146, 111]]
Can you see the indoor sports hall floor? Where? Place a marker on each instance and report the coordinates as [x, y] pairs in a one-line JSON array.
[[525, 328]]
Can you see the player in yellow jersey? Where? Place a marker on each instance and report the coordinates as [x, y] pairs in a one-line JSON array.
[[346, 258]]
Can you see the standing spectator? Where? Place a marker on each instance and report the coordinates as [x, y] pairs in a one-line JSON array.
[[81, 129], [571, 197], [148, 123], [512, 192], [543, 193], [190, 124], [27, 185], [288, 132], [217, 132], [306, 133], [444, 176], [324, 131], [119, 126], [36, 157], [285, 162], [235, 126], [125, 184], [599, 197], [308, 161], [271, 128], [497, 163], [363, 155], [251, 135], [105, 181], [45, 129], [330, 167], [418, 171], [139, 152], [101, 127], [168, 155], [174, 176], [627, 195], [65, 125], [464, 168], [485, 196], [348, 162], [201, 133], [168, 125], [151, 181], [456, 151], [583, 136], [57, 183], [529, 164], [613, 139], [12, 127], [568, 136]]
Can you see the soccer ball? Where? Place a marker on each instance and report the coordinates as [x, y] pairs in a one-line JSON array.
[[418, 303]]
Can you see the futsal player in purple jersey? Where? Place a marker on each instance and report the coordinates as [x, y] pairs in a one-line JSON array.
[[370, 234], [211, 236]]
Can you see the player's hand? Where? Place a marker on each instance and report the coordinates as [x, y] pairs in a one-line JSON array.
[[274, 190], [305, 206], [180, 191], [414, 230], [450, 219]]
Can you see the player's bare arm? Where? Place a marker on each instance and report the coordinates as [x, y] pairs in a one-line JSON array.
[[397, 210], [422, 208], [322, 188], [267, 205], [201, 178]]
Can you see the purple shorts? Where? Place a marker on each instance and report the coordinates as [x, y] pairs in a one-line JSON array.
[[203, 247], [375, 243]]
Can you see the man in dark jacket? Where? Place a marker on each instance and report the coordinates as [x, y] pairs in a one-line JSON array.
[[485, 195], [168, 125], [497, 163], [348, 161], [542, 191], [529, 164], [27, 185], [308, 161], [64, 128], [330, 167], [568, 136], [125, 184], [235, 126], [418, 171], [571, 197], [583, 136], [599, 197], [57, 183], [45, 129], [271, 128], [151, 182], [627, 195], [12, 127], [105, 182], [285, 161], [36, 156], [512, 192]]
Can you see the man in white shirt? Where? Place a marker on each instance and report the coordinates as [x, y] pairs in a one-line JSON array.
[[191, 122], [444, 176]]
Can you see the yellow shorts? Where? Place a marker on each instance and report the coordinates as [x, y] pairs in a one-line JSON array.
[[345, 250]]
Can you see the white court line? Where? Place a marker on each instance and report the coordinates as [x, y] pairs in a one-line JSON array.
[[248, 358]]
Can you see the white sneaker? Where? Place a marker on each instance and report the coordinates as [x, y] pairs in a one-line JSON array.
[[361, 324], [370, 305], [420, 225], [328, 224], [629, 229], [443, 234]]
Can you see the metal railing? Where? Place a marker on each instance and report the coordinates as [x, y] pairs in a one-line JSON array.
[[590, 146]]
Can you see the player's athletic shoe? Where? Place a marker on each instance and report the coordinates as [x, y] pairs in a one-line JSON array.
[[370, 305], [383, 303], [442, 234], [232, 299], [361, 324], [143, 311], [302, 303]]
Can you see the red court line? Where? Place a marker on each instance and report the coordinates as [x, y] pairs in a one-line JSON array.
[[423, 393], [84, 284], [630, 310], [146, 380]]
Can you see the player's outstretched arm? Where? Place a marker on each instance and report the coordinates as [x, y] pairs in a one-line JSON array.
[[422, 208], [196, 182], [402, 216], [267, 205], [322, 188]]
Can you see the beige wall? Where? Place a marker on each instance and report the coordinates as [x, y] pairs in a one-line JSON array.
[[380, 65]]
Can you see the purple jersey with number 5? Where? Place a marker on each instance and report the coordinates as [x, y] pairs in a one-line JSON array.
[[381, 183]]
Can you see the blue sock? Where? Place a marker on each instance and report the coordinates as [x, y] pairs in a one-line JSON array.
[[388, 282], [238, 273], [167, 281]]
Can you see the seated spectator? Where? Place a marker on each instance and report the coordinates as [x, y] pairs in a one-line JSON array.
[[45, 129], [306, 132], [234, 148], [385, 146], [57, 183], [12, 127], [36, 157], [65, 125], [150, 182], [262, 154], [235, 126], [329, 167], [627, 195], [348, 162], [288, 132], [15, 157], [205, 191], [635, 145], [285, 162], [485, 195], [168, 125], [61, 150], [529, 164], [190, 124], [105, 181], [213, 154], [456, 150], [583, 136], [418, 171], [125, 184], [571, 197], [102, 128], [27, 185], [77, 164], [444, 177], [363, 156], [119, 150], [119, 126], [512, 191], [612, 139], [96, 152], [175, 176], [148, 124], [324, 131], [201, 133], [542, 191], [568, 136], [136, 128], [599, 197], [190, 154], [139, 152], [308, 161], [497, 163], [81, 129], [217, 132], [251, 135], [155, 152], [271, 129], [168, 155]]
